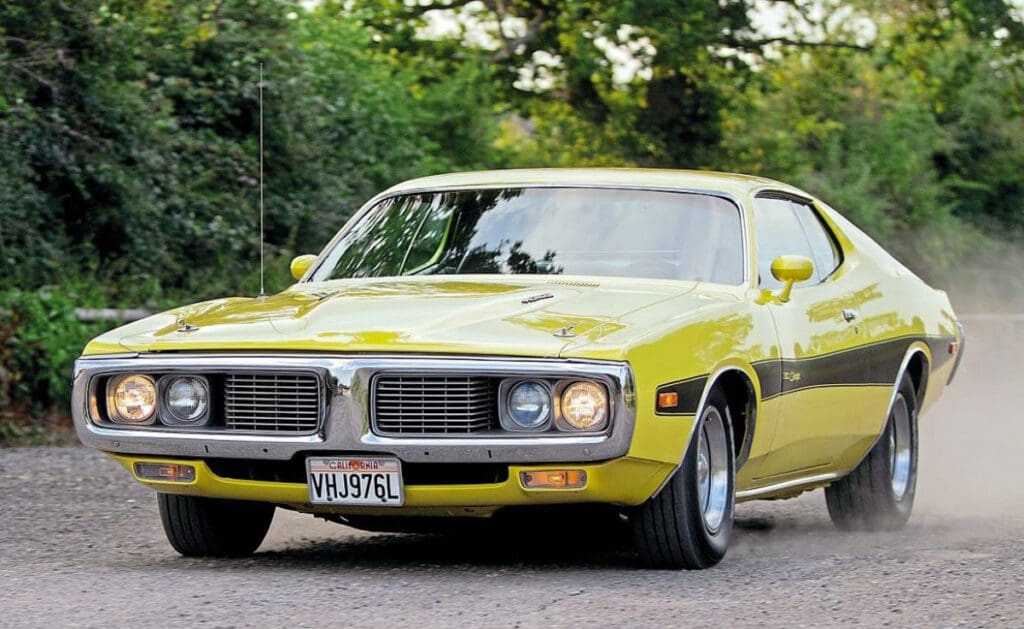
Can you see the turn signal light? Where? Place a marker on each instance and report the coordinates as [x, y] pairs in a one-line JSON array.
[[554, 479], [166, 472], [669, 399]]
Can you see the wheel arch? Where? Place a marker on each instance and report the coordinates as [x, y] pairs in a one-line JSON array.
[[918, 355], [742, 392], [741, 380], [741, 397], [919, 369]]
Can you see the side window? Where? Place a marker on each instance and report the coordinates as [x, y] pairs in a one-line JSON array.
[[826, 254], [779, 233]]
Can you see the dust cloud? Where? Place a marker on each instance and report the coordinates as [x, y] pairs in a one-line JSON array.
[[972, 440]]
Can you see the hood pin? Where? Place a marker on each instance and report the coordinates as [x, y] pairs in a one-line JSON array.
[[566, 331]]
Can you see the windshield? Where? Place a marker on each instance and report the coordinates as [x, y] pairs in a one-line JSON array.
[[572, 231]]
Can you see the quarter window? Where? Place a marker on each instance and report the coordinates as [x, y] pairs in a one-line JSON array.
[[826, 255]]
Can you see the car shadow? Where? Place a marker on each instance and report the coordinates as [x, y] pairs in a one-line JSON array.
[[530, 548]]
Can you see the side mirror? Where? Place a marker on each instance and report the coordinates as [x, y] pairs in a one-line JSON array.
[[301, 264], [790, 270]]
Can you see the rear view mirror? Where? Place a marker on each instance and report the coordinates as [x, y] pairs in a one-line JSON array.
[[789, 270], [301, 264]]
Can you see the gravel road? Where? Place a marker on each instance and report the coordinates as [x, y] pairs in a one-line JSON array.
[[80, 544]]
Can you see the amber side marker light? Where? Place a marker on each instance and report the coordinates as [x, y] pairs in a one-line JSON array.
[[554, 479], [166, 472], [668, 400]]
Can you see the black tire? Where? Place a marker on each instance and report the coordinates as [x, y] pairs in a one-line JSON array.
[[670, 529], [868, 498], [211, 527]]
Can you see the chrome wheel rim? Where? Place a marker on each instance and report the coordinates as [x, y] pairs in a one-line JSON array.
[[899, 447], [712, 469]]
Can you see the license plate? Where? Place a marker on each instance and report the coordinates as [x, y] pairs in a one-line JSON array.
[[368, 481]]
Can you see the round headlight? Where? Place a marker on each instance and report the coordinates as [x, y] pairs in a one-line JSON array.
[[529, 405], [186, 400], [584, 406], [131, 399]]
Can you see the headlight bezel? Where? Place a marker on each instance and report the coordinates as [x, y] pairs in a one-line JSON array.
[[556, 424], [564, 425], [168, 417], [505, 391], [115, 416]]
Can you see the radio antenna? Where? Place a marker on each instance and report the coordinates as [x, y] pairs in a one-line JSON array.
[[262, 292]]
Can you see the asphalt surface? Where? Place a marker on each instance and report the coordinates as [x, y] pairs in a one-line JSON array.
[[81, 545]]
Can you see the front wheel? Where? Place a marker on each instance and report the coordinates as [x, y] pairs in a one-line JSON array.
[[689, 522], [878, 495], [211, 527]]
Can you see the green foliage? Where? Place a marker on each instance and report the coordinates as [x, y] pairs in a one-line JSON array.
[[40, 338], [909, 140], [128, 137]]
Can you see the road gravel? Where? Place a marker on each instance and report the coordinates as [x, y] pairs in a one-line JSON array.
[[81, 545]]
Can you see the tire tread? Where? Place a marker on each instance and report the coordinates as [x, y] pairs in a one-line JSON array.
[[209, 527]]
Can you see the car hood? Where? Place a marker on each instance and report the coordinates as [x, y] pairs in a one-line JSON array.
[[507, 315]]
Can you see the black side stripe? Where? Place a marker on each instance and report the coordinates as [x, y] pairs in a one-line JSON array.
[[875, 364], [689, 392]]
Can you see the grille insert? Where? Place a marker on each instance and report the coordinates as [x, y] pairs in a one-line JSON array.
[[272, 402], [435, 404]]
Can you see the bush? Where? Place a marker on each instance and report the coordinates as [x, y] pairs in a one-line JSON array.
[[40, 337]]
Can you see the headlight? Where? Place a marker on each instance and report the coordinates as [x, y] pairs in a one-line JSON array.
[[186, 400], [584, 406], [529, 405], [131, 399]]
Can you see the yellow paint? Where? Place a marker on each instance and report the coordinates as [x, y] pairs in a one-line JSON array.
[[623, 481], [790, 270], [666, 330], [300, 265]]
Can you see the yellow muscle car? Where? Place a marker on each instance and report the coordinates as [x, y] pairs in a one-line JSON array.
[[663, 343]]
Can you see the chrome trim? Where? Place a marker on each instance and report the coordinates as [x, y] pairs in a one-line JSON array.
[[796, 483], [346, 427], [480, 415], [388, 194], [97, 368], [233, 389]]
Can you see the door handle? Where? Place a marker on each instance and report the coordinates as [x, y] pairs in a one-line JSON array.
[[850, 314]]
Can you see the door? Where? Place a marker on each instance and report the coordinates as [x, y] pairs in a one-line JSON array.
[[814, 380]]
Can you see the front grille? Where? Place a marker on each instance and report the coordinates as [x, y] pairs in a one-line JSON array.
[[435, 404], [272, 402]]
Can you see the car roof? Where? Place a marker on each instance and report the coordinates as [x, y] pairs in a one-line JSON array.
[[735, 185]]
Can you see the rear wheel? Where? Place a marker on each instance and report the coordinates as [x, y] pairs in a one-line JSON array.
[[689, 522], [211, 527], [878, 495]]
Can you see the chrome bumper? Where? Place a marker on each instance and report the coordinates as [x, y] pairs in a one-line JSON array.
[[346, 426]]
